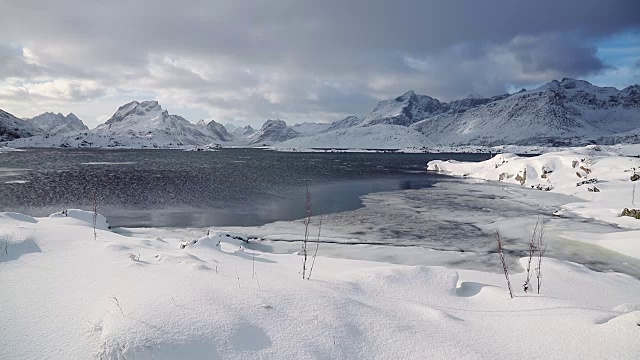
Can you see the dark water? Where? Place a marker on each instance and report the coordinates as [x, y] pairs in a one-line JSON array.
[[195, 189]]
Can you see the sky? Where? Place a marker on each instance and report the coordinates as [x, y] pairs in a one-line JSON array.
[[245, 61]]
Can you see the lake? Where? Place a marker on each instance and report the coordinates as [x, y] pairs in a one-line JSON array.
[[229, 187]]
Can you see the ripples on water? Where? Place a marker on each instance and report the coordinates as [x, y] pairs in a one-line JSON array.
[[226, 187], [248, 187]]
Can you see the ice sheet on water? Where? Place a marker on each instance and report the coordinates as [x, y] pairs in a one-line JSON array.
[[109, 163], [450, 224]]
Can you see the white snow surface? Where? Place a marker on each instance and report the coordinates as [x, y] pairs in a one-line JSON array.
[[310, 128], [66, 295], [604, 168]]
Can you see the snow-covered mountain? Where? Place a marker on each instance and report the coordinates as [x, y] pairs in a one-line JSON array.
[[403, 110], [57, 124], [13, 128], [136, 125], [243, 132], [560, 113], [218, 131], [381, 136], [272, 132], [567, 112], [349, 121], [310, 128]]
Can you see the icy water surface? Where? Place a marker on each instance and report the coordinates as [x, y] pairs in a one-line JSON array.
[[434, 220], [230, 187]]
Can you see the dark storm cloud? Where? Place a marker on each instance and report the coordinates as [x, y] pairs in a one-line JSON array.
[[294, 56]]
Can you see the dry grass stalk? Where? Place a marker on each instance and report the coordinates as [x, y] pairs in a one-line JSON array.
[[317, 246], [503, 261], [307, 221]]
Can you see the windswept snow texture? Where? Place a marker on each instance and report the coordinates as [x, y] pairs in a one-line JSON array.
[[216, 297], [13, 128], [58, 124]]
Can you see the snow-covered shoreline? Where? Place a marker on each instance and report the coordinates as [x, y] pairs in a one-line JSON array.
[[601, 176], [68, 295], [69, 291]]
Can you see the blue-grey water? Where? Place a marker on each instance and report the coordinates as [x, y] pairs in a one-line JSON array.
[[250, 187], [196, 189]]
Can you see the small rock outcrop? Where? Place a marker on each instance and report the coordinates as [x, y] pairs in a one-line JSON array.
[[634, 213]]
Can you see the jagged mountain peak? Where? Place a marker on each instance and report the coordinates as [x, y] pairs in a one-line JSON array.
[[274, 123], [406, 96], [55, 124], [403, 110], [274, 131], [135, 109]]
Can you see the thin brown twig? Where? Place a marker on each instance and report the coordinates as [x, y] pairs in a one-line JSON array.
[[503, 261]]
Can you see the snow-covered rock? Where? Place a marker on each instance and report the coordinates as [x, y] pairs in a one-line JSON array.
[[273, 131], [13, 128], [57, 124], [243, 132], [218, 131], [403, 110]]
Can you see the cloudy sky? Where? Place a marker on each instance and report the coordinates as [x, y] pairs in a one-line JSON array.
[[243, 61]]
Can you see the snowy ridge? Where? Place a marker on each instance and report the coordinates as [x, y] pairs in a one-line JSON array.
[[382, 136], [565, 113], [308, 128], [349, 121], [136, 125], [273, 131], [558, 114], [57, 124], [403, 110], [561, 113], [243, 132], [13, 128]]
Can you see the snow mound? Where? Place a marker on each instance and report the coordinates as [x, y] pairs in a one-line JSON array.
[[139, 297], [83, 217], [599, 176], [18, 217]]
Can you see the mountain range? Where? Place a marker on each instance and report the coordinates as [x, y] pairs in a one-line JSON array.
[[566, 112]]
